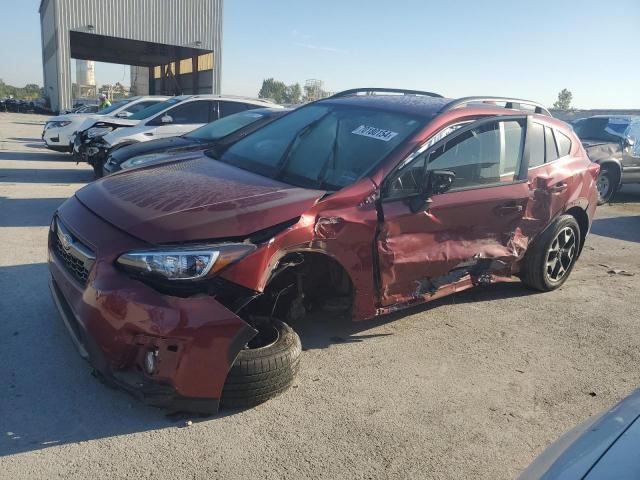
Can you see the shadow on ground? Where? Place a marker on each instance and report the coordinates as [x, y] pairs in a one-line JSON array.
[[28, 212], [54, 176], [50, 397], [620, 228], [47, 156]]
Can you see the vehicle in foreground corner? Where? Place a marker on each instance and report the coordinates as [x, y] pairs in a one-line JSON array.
[[372, 200], [217, 134], [176, 116], [59, 131], [604, 447], [612, 142]]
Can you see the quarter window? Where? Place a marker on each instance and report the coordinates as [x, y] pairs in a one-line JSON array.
[[564, 143]]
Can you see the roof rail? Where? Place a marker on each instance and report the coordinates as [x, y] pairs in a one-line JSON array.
[[372, 90], [509, 103]]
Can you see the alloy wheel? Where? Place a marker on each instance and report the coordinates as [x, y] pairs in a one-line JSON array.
[[561, 254], [603, 185]]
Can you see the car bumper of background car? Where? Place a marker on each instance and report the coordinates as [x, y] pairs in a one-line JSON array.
[[117, 323]]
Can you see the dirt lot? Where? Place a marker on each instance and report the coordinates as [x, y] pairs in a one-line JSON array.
[[473, 386]]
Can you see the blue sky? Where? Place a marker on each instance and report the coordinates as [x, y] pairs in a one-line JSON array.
[[457, 48]]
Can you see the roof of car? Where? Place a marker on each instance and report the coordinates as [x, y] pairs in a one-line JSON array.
[[231, 98], [629, 118], [412, 104]]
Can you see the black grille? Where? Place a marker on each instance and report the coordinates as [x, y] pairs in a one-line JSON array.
[[74, 266]]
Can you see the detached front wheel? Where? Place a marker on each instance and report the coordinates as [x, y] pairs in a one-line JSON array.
[[266, 367]]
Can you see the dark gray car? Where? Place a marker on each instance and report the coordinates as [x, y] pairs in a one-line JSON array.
[[612, 142], [605, 447]]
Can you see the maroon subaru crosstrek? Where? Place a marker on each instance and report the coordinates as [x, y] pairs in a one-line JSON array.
[[174, 281]]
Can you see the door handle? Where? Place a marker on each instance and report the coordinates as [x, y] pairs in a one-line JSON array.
[[148, 134], [508, 209], [558, 187]]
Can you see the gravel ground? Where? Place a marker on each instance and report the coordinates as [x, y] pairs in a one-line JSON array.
[[472, 386]]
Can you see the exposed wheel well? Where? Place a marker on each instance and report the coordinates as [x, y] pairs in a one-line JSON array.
[[304, 281], [583, 222]]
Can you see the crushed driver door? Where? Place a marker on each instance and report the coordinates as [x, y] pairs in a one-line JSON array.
[[467, 233]]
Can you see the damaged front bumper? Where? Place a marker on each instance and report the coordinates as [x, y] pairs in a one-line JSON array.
[[91, 151], [171, 352]]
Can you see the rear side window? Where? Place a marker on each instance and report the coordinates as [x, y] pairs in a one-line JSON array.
[[550, 145], [564, 143], [229, 108], [191, 112], [535, 140]]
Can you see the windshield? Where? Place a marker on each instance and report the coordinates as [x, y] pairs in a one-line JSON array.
[[226, 126], [322, 145], [603, 129], [114, 107], [153, 109]]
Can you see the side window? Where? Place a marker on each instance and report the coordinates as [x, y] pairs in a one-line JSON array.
[[550, 145], [535, 136], [486, 155], [564, 143], [190, 112], [409, 179], [229, 108]]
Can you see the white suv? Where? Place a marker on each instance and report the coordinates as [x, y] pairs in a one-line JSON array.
[[58, 131], [181, 115]]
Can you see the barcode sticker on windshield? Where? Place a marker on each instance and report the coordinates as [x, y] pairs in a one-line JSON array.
[[373, 132]]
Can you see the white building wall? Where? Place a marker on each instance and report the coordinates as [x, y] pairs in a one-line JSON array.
[[169, 22]]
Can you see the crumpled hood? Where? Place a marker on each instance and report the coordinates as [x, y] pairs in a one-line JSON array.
[[102, 120], [194, 199], [598, 150]]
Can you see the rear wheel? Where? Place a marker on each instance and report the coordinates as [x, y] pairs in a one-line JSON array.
[[266, 367], [607, 184], [549, 262]]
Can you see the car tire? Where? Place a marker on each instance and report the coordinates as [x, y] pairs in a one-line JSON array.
[[98, 171], [549, 261], [607, 184], [262, 372]]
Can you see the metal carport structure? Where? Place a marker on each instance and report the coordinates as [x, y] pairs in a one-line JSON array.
[[180, 41]]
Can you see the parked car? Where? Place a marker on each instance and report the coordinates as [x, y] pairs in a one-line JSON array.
[[177, 116], [612, 142], [170, 276], [217, 134], [604, 447], [58, 131]]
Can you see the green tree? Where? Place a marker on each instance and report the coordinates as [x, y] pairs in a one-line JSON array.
[[273, 90], [294, 93], [564, 100]]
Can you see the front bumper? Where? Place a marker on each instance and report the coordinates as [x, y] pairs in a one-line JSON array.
[[115, 320]]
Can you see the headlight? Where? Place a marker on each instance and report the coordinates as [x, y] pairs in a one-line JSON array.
[[95, 132], [184, 263], [56, 124], [138, 161]]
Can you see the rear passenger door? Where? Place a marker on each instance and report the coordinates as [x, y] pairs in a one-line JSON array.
[[553, 174], [468, 232]]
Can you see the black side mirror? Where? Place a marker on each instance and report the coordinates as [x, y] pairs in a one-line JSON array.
[[435, 182], [439, 181]]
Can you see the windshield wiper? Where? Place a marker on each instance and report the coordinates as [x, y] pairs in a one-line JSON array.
[[286, 156]]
